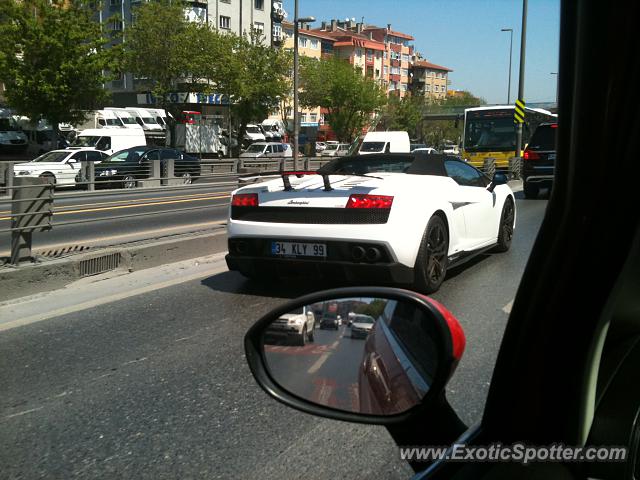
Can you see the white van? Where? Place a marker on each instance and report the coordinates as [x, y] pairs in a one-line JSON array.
[[253, 133], [385, 142], [110, 140], [125, 117], [99, 119], [160, 115], [145, 119]]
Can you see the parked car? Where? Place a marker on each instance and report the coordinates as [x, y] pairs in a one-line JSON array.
[[320, 146], [385, 142], [415, 146], [539, 160], [125, 168], [335, 150], [361, 325], [266, 150], [293, 328], [427, 150], [253, 134], [110, 140], [61, 166]]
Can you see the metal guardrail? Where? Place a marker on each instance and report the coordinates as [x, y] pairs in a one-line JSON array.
[[32, 210]]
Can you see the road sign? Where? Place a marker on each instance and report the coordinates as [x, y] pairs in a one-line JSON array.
[[518, 114]]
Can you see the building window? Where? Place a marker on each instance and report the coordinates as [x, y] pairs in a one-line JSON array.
[[314, 43], [225, 1], [314, 117], [404, 72], [225, 22], [303, 117], [403, 86], [428, 88], [395, 70], [116, 25], [302, 42], [358, 52], [259, 27], [259, 4], [405, 57], [384, 55]]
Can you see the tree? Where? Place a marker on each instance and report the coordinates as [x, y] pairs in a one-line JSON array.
[[52, 59], [254, 75], [403, 114], [349, 97], [373, 309], [438, 132], [167, 51]]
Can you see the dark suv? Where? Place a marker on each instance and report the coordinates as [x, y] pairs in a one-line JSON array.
[[539, 160], [124, 168]]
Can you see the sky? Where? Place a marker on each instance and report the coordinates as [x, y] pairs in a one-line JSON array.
[[465, 36]]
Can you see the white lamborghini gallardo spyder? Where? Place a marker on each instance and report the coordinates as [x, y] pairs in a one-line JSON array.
[[400, 219]]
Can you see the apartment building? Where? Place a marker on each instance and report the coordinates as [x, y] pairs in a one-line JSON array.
[[237, 16], [429, 80], [398, 53]]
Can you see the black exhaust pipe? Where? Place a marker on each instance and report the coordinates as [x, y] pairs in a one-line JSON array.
[[373, 254], [357, 253]]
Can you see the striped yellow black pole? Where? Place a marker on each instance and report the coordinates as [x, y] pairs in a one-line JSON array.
[[518, 113]]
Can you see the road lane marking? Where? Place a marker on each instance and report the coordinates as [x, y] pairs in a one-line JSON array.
[[218, 266], [23, 412], [323, 358], [140, 205], [174, 197]]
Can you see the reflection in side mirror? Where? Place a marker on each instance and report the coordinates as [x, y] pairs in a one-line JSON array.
[[381, 361]]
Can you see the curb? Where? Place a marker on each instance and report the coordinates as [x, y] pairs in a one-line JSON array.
[[55, 274]]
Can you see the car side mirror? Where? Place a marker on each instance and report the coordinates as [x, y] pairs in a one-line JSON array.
[[393, 361], [498, 179]]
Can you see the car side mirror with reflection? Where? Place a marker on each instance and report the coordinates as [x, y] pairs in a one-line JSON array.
[[393, 358]]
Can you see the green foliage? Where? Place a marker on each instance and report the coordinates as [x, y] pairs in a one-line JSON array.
[[374, 309], [349, 97], [52, 59]]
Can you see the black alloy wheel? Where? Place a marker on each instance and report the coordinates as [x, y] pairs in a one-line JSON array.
[[505, 230], [431, 268]]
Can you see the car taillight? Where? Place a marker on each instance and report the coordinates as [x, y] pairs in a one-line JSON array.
[[530, 155], [245, 200], [369, 201]]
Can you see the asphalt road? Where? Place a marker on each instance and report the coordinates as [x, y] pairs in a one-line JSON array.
[[156, 385], [115, 217]]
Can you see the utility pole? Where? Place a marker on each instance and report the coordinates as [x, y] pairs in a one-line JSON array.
[[296, 113], [556, 74], [523, 45]]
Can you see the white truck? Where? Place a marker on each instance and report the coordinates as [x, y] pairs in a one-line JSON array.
[[12, 139], [198, 139]]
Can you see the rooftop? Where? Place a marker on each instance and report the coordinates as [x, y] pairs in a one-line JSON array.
[[432, 66]]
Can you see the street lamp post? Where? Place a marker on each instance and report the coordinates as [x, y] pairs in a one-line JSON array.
[[296, 114], [556, 74], [510, 30]]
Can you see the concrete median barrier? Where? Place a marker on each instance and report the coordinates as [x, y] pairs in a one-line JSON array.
[[47, 275]]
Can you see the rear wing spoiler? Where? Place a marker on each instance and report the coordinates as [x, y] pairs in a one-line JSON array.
[[256, 177]]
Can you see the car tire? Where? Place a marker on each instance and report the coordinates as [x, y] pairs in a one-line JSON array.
[[530, 191], [432, 260], [303, 338], [505, 228], [49, 176], [310, 336], [129, 181]]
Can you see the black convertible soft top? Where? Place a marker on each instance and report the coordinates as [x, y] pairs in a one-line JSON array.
[[418, 163]]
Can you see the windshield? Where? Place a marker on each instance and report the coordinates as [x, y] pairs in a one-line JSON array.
[[544, 138], [364, 319], [128, 120], [113, 122], [255, 148], [373, 147], [149, 120], [253, 130], [493, 133], [129, 155], [332, 146], [360, 165], [7, 124], [86, 141], [52, 157]]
